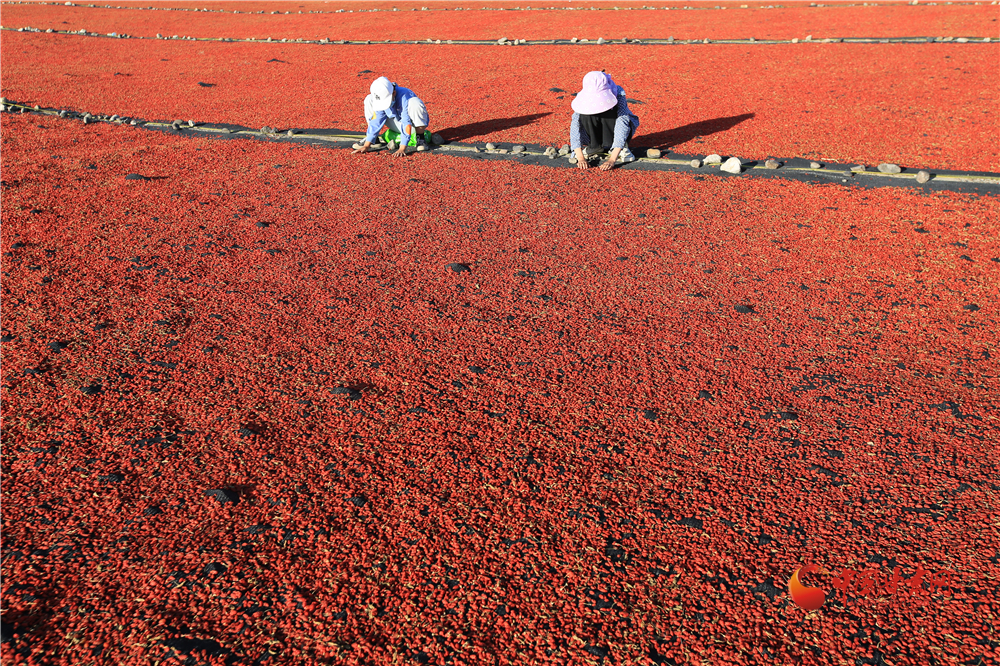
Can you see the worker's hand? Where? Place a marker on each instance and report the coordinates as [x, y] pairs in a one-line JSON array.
[[609, 163], [400, 152], [360, 149], [581, 160]]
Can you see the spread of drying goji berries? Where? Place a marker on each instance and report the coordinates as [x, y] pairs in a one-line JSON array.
[[916, 105], [457, 20], [267, 403]]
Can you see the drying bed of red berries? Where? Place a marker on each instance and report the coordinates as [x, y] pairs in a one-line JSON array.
[[278, 404], [785, 23], [283, 6], [926, 105]]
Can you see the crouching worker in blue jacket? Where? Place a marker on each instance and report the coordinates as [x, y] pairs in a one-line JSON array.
[[602, 122], [401, 112]]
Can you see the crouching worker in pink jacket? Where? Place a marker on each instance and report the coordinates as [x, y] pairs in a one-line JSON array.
[[602, 122]]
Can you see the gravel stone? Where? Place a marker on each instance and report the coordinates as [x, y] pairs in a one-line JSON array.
[[437, 139], [886, 167], [564, 149], [653, 153], [502, 40], [696, 164], [491, 146], [713, 159], [858, 169], [815, 165], [772, 164], [517, 149], [923, 177], [732, 165], [600, 40], [572, 160]]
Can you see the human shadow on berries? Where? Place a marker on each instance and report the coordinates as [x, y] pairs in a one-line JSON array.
[[689, 132], [486, 127]]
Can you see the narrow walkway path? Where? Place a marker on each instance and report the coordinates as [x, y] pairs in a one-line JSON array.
[[793, 168], [574, 41]]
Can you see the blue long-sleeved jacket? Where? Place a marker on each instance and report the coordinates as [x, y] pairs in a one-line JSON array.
[[397, 110], [627, 121]]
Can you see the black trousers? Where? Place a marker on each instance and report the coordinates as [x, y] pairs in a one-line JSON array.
[[598, 130]]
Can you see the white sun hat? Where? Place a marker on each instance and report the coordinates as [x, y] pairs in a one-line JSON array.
[[382, 93]]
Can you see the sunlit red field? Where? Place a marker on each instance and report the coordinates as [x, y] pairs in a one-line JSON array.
[[267, 403], [442, 21], [920, 105]]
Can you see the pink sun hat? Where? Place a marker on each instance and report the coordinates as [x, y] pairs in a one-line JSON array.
[[599, 94]]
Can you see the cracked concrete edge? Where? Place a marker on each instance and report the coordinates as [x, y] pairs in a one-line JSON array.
[[520, 42], [972, 182]]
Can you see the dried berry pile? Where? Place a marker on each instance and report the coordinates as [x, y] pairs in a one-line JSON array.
[[272, 404], [733, 23], [836, 102]]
